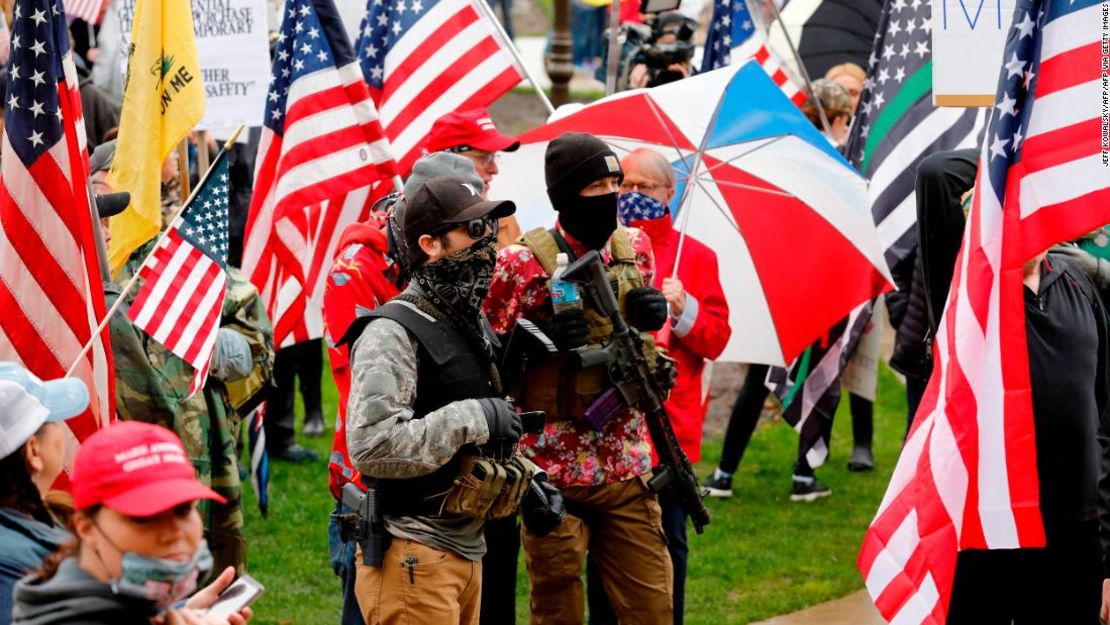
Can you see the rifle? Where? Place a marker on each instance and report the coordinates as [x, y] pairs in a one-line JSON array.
[[525, 342], [633, 378]]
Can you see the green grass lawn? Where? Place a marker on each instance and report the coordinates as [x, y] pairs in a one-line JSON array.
[[762, 555]]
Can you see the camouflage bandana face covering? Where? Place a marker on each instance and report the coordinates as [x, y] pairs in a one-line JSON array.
[[459, 282]]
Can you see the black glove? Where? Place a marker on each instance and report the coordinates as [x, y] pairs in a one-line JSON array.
[[569, 329], [504, 424], [542, 509], [646, 308], [666, 372]]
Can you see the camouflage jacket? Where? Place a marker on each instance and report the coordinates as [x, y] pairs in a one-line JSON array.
[[385, 441], [152, 385], [171, 200]]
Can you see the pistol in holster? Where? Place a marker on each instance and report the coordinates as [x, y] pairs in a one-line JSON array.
[[364, 523]]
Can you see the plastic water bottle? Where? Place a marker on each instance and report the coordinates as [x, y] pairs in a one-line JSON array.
[[564, 293]]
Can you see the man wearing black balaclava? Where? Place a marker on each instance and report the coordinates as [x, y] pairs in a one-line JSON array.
[[428, 425], [594, 448]]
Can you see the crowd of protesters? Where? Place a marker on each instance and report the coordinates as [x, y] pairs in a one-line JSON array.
[[421, 305]]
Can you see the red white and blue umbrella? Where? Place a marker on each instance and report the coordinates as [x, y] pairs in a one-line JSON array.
[[787, 216]]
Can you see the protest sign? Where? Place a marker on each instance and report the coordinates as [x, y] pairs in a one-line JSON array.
[[234, 51], [968, 39]]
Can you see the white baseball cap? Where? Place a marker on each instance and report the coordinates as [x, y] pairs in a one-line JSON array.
[[27, 402]]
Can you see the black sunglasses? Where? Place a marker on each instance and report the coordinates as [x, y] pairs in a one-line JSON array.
[[476, 227]]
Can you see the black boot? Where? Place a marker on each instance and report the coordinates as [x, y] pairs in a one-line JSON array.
[[863, 426]]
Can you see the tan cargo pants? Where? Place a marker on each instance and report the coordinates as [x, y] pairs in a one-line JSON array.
[[623, 532], [418, 584]]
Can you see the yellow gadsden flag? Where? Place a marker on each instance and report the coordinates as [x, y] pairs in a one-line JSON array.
[[162, 100]]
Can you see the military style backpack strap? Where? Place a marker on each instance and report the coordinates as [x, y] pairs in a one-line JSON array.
[[547, 243], [620, 246], [561, 241], [543, 246]]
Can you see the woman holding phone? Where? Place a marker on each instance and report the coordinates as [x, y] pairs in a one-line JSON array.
[[138, 552]]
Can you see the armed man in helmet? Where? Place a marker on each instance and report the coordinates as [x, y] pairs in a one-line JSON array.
[[427, 422], [599, 458]]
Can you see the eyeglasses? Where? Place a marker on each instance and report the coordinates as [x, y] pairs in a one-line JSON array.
[[476, 228], [642, 187], [485, 159]]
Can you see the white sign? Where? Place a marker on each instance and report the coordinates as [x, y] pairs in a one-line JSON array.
[[234, 50], [969, 37]]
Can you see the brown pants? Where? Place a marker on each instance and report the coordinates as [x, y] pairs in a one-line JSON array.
[[438, 587], [621, 526]]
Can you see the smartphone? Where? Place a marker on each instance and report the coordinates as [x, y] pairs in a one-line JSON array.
[[243, 592]]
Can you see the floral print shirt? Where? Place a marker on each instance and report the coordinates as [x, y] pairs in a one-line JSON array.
[[571, 451]]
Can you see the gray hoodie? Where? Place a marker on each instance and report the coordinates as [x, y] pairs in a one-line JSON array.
[[74, 597]]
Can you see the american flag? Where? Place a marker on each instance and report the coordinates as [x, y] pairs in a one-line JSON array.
[[322, 158], [967, 475], [304, 244], [732, 25], [897, 125], [777, 70], [50, 288], [182, 295], [426, 58], [88, 10], [809, 389], [734, 38]]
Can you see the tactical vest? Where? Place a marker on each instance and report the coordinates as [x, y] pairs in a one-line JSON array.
[[559, 386], [448, 370]]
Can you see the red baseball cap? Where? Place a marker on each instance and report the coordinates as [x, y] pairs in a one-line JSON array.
[[472, 129], [136, 469]]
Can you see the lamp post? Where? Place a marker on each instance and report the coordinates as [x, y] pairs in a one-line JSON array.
[[558, 62]]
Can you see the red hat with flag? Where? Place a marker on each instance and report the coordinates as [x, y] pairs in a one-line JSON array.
[[136, 469], [472, 129]]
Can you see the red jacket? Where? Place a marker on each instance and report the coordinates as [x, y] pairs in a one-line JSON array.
[[357, 283], [699, 335]]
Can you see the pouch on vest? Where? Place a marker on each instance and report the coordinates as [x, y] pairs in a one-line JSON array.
[[477, 486], [248, 393], [520, 472]]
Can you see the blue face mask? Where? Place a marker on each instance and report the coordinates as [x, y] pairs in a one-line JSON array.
[[160, 581], [163, 582], [636, 206]]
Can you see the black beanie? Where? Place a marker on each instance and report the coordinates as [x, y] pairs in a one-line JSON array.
[[574, 160]]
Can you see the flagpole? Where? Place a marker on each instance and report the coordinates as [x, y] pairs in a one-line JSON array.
[[484, 7], [681, 234], [134, 278], [183, 165], [613, 58], [202, 151], [801, 67]]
